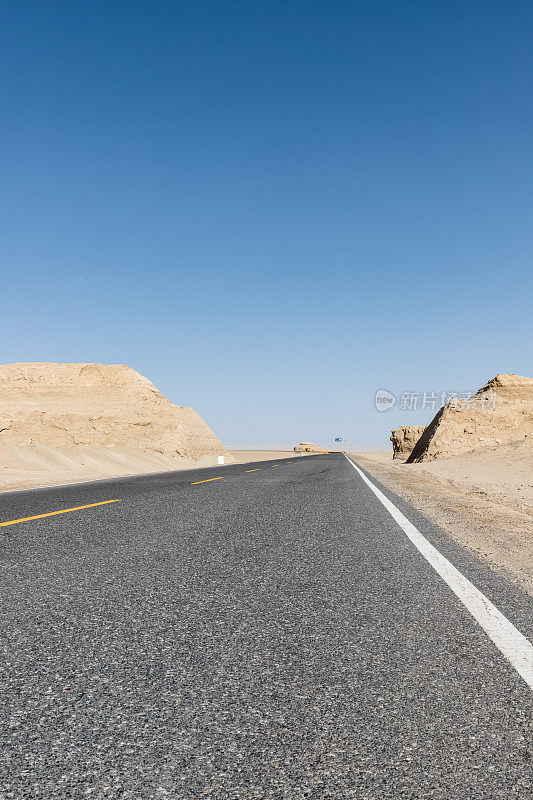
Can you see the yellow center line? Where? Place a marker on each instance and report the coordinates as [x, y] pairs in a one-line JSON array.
[[53, 513], [254, 470], [194, 483]]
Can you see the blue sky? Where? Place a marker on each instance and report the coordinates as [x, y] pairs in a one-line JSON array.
[[270, 209]]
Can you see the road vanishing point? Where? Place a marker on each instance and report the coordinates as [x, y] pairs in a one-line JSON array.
[[277, 630]]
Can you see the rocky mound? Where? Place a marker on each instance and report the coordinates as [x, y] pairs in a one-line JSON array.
[[404, 439], [70, 406], [501, 412], [308, 447]]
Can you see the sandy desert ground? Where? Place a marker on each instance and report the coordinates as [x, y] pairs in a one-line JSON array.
[[243, 456], [22, 468]]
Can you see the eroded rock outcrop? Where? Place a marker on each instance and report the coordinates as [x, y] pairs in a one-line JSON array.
[[404, 439], [499, 413], [70, 406], [308, 447]]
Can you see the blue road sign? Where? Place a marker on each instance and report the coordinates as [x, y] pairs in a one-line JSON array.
[[338, 440]]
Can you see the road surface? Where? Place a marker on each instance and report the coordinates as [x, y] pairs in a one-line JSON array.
[[271, 634]]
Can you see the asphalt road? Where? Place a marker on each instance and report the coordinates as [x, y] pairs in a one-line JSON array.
[[273, 634]]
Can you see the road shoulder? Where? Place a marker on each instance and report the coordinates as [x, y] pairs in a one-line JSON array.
[[499, 534]]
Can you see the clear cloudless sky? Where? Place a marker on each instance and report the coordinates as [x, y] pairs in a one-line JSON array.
[[271, 209]]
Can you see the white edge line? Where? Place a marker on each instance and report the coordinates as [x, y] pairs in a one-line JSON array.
[[510, 642]]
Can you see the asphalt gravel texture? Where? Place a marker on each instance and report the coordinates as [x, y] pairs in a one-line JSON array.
[[270, 635]]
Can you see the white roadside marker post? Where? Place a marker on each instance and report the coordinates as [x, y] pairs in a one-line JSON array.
[[221, 461]]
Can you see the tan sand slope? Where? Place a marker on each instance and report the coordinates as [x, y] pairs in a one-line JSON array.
[[501, 412], [404, 439], [245, 456], [62, 422], [308, 447]]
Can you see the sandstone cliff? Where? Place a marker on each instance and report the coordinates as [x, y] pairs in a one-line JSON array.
[[93, 420], [501, 412]]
